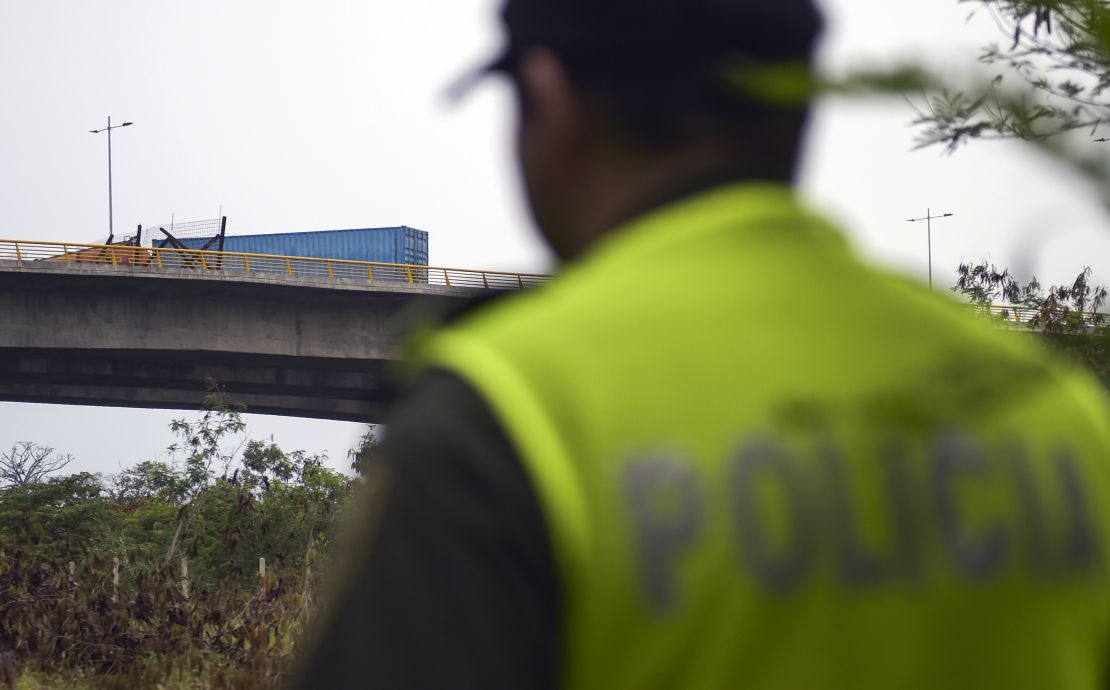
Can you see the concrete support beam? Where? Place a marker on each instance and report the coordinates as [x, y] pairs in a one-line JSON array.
[[163, 399], [118, 336]]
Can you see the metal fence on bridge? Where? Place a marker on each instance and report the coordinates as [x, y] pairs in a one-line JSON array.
[[1033, 318], [291, 267]]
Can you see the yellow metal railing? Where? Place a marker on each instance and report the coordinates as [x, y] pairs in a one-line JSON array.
[[290, 267]]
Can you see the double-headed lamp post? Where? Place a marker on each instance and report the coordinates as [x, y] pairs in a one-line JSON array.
[[929, 218], [108, 129]]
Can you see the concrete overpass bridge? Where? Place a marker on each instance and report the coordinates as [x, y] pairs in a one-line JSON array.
[[116, 325], [126, 326]]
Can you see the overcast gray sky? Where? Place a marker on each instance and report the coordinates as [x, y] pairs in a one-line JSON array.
[[329, 114]]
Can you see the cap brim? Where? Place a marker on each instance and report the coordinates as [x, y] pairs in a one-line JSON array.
[[462, 86]]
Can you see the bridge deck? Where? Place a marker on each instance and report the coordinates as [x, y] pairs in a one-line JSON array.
[[133, 335]]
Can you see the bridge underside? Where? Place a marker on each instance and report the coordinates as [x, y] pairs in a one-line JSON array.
[[321, 388], [140, 337]]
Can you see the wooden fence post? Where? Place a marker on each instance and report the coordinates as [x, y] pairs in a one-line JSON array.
[[115, 579], [262, 573], [9, 673]]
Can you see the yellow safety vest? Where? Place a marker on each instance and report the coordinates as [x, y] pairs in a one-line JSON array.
[[765, 464]]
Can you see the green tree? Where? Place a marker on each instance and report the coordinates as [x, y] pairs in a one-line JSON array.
[[149, 480], [65, 514], [1062, 309], [222, 502], [1068, 315], [1050, 76], [238, 499], [362, 455], [205, 444], [274, 504], [210, 443]]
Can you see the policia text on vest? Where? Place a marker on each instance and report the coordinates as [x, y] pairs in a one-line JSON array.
[[793, 517]]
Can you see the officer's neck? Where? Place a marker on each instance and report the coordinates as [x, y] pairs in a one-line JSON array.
[[619, 189]]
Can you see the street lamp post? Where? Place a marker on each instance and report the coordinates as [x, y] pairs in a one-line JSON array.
[[929, 218], [108, 129]]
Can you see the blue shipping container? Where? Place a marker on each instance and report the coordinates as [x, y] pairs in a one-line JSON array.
[[401, 245]]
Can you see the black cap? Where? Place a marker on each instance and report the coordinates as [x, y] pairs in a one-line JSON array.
[[637, 36]]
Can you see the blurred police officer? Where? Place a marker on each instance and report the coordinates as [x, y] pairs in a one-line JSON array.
[[718, 451]]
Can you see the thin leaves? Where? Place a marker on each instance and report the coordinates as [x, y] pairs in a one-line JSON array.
[[1060, 56]]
